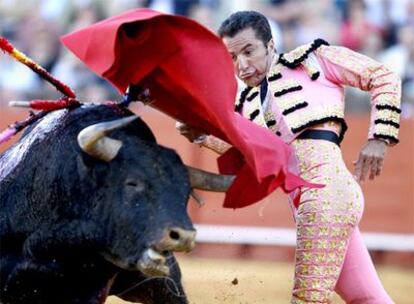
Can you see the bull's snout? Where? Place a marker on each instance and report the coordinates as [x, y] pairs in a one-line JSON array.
[[177, 239]]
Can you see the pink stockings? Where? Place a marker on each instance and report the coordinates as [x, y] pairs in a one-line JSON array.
[[358, 282], [330, 253]]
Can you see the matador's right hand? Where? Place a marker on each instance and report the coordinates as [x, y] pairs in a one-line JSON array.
[[371, 160]]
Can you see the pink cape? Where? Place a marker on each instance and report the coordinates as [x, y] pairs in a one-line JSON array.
[[190, 75]]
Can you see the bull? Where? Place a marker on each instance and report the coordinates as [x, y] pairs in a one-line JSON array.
[[91, 206]]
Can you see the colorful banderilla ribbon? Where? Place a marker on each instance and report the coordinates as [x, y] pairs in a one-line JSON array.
[[68, 100], [8, 48], [46, 105]]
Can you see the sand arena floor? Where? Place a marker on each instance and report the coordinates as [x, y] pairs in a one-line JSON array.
[[211, 281]]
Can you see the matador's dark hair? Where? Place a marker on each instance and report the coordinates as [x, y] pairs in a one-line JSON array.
[[244, 19]]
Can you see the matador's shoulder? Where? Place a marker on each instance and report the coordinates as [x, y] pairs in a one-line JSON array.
[[297, 56]]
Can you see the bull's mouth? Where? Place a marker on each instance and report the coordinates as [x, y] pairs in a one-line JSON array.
[[151, 263]]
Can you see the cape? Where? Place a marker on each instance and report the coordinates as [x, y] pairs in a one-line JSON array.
[[191, 78]]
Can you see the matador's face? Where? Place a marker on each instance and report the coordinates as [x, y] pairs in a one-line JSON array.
[[251, 57]]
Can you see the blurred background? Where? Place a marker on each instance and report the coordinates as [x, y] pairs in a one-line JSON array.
[[254, 245]]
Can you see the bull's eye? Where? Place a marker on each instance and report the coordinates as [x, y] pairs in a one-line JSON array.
[[136, 185]]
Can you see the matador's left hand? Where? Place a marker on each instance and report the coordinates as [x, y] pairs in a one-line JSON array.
[[371, 160]]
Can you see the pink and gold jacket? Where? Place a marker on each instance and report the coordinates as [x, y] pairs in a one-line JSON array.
[[305, 87]]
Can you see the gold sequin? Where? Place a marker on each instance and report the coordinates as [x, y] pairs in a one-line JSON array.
[[322, 244], [333, 244], [320, 257], [325, 218], [323, 231], [307, 256], [335, 231]]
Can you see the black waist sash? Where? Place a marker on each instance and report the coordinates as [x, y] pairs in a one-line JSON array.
[[320, 134]]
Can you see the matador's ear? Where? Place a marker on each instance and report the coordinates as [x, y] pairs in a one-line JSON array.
[[271, 46]]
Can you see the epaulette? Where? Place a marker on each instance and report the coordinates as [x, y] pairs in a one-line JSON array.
[[294, 58], [298, 57]]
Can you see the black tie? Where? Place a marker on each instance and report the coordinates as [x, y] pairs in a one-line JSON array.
[[263, 90]]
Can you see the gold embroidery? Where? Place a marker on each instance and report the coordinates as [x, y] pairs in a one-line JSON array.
[[297, 53], [321, 270], [303, 269], [365, 73], [249, 107], [350, 206], [315, 295], [383, 129], [310, 231], [302, 283], [332, 258], [297, 120], [337, 218], [323, 231], [306, 256], [277, 87], [333, 270], [326, 206], [325, 218], [307, 244], [335, 231], [317, 283], [322, 244], [386, 99], [310, 69], [216, 144], [268, 116], [388, 115], [252, 92], [310, 218], [289, 101], [238, 101], [328, 283], [276, 69]]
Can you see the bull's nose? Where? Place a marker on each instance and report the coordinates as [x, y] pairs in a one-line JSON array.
[[177, 239]]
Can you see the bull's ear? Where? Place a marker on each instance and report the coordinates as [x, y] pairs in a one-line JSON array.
[[93, 140]]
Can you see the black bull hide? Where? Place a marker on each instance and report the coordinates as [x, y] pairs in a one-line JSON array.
[[75, 229]]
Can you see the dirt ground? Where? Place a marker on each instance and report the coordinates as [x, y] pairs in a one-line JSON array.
[[212, 281]]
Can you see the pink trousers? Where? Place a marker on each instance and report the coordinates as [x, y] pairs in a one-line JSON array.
[[330, 253]]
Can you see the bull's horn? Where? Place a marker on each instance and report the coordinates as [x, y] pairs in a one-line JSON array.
[[93, 139], [208, 181]]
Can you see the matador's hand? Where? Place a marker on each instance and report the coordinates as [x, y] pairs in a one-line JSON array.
[[371, 160]]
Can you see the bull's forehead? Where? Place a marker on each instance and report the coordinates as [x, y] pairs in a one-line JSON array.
[[13, 156]]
